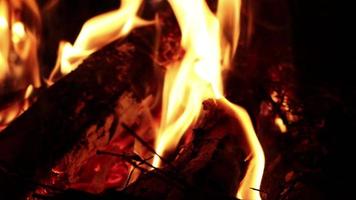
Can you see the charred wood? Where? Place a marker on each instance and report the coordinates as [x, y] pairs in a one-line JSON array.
[[210, 166], [61, 119]]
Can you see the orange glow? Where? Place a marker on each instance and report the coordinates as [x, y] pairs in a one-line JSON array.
[[19, 66], [5, 39], [280, 124], [15, 109], [96, 33], [18, 32], [18, 41], [210, 41]]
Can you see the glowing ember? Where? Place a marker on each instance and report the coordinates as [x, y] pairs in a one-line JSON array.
[[280, 124], [198, 77]]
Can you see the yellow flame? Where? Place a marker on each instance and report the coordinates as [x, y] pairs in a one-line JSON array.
[[98, 32], [256, 159], [18, 32], [5, 41], [210, 41], [18, 41], [16, 108], [228, 14], [280, 124], [191, 81], [18, 55]]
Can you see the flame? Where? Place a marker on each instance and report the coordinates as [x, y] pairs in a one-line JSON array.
[[210, 41], [16, 108], [18, 48], [280, 124], [96, 33], [250, 184], [189, 82], [19, 68], [5, 41]]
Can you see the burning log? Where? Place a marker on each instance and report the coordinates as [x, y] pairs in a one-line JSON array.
[[63, 113], [210, 166], [90, 116]]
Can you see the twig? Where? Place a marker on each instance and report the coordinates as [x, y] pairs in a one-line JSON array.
[[128, 158], [131, 159], [129, 178], [144, 143], [131, 172], [259, 190]]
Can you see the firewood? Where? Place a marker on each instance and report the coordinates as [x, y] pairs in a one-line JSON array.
[[79, 113], [57, 122], [210, 166]]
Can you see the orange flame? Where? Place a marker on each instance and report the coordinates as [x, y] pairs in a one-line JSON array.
[[210, 46], [16, 108], [96, 33], [209, 39], [280, 124], [5, 37], [18, 41], [19, 66]]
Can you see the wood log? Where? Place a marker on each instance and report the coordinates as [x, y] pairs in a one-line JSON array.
[[62, 119], [63, 113], [81, 109], [210, 166]]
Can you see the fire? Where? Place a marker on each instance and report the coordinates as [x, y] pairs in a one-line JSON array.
[[9, 113], [280, 124], [209, 41], [5, 43], [18, 41], [19, 68], [96, 33]]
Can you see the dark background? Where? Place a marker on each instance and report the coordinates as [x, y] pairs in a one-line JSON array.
[[323, 47]]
